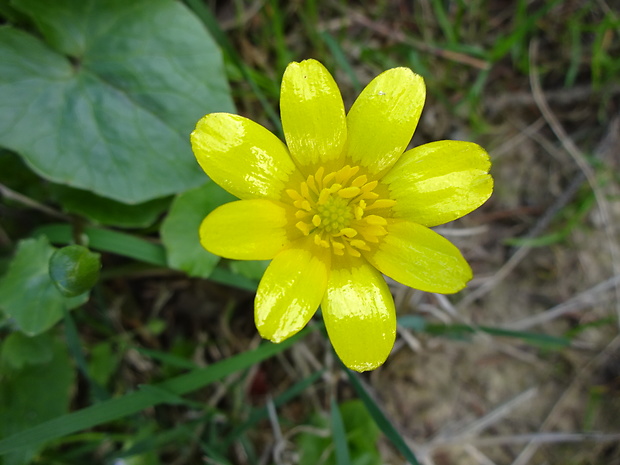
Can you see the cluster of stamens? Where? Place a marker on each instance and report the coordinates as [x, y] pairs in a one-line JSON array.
[[333, 208]]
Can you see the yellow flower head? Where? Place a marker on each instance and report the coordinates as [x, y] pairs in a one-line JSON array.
[[339, 205]]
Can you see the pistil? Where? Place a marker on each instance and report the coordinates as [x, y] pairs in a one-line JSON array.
[[332, 208]]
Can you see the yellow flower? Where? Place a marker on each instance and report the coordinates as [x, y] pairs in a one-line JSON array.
[[340, 206]]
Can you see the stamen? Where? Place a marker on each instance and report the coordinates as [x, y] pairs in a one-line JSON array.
[[381, 203], [348, 232], [333, 209], [312, 184], [304, 228], [304, 190], [349, 192], [360, 181], [319, 176], [376, 220], [293, 194], [359, 244], [323, 196]]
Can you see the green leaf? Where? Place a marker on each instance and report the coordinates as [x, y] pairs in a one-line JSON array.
[[462, 332], [108, 105], [109, 241], [74, 269], [140, 400], [380, 419], [19, 350], [251, 269], [27, 293], [360, 441], [258, 414], [339, 434], [34, 394], [179, 231], [103, 362], [110, 212], [134, 247]]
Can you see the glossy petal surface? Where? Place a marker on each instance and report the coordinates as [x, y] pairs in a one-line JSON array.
[[384, 117], [313, 116], [440, 182], [246, 229], [420, 258], [242, 156], [359, 315], [290, 292]]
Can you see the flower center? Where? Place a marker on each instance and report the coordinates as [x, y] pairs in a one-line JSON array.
[[333, 208]]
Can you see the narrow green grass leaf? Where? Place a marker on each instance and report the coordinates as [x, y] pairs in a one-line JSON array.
[[137, 401], [260, 413], [380, 419], [339, 435], [461, 331], [444, 22], [276, 18], [75, 349], [167, 358], [134, 247], [203, 12], [184, 433], [341, 59], [522, 28], [109, 241]]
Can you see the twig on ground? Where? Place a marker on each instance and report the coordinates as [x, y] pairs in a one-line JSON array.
[[583, 374], [582, 300]]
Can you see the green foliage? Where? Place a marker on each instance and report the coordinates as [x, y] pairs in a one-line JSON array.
[[110, 212], [353, 440], [179, 231], [150, 395], [74, 269], [27, 293], [19, 350], [106, 101], [35, 386], [99, 96]]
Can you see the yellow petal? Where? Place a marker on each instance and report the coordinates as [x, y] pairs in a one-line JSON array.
[[420, 258], [246, 229], [384, 117], [290, 292], [439, 182], [242, 156], [313, 116], [359, 315]]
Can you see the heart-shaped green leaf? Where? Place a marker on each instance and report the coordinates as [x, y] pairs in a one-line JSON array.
[[107, 104], [27, 293], [179, 230]]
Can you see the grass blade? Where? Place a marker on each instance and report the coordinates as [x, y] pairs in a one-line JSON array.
[[381, 420], [111, 241], [137, 401], [261, 413], [340, 436], [341, 59], [127, 245], [203, 12], [460, 331]]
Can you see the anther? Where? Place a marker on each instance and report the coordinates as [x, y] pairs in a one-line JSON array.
[[381, 203], [349, 192], [375, 220], [304, 227]]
